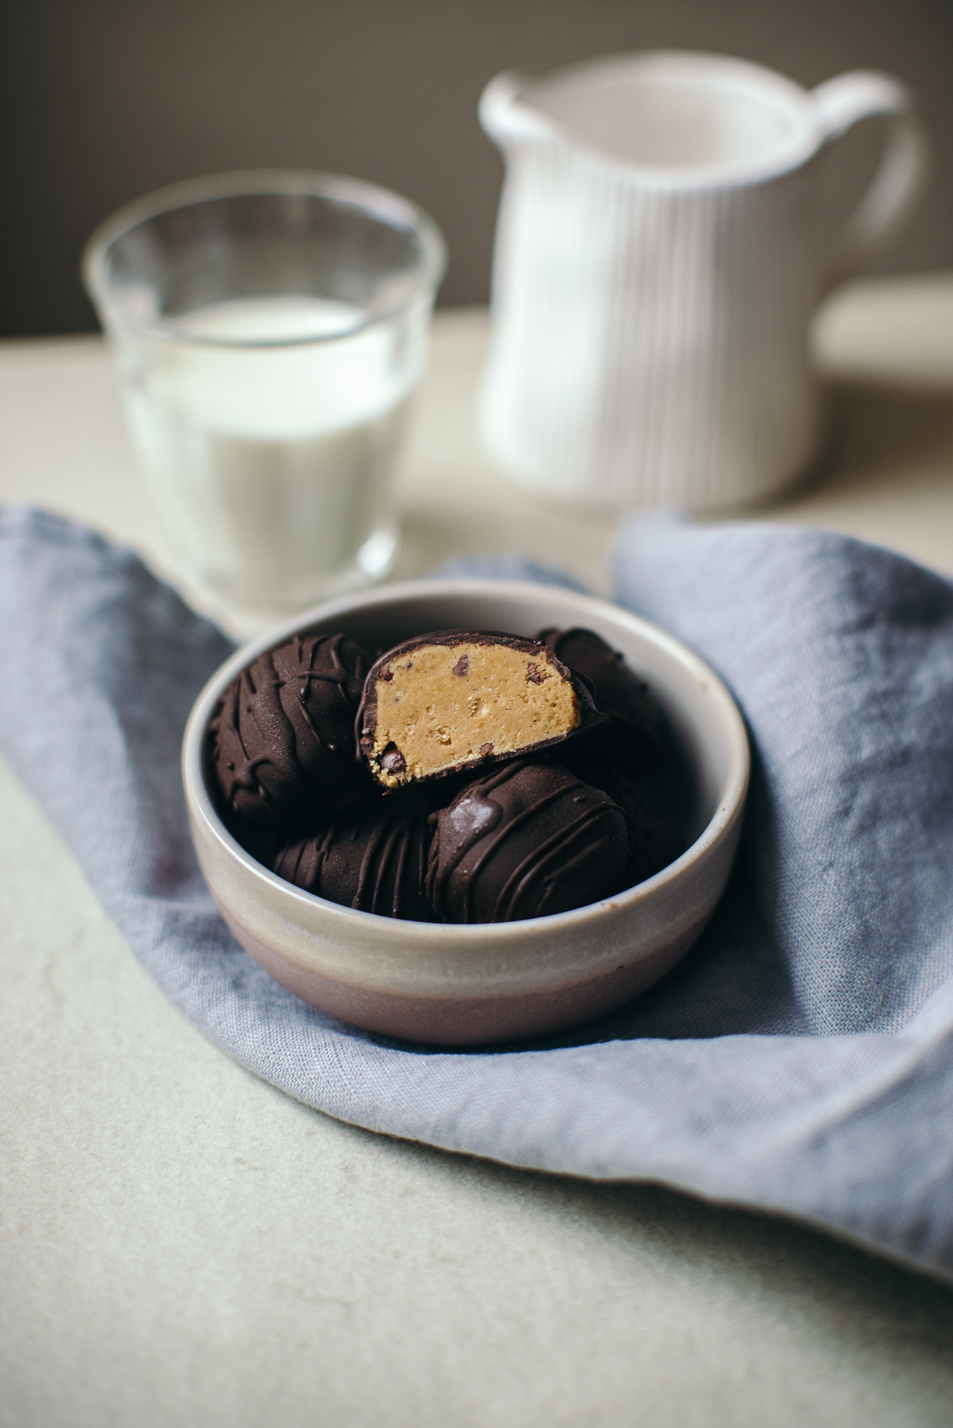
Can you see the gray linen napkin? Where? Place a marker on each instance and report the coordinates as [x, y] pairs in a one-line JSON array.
[[801, 1058]]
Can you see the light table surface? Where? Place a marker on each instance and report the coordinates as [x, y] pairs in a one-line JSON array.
[[182, 1244]]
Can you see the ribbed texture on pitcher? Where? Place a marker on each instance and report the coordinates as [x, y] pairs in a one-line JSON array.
[[650, 344]]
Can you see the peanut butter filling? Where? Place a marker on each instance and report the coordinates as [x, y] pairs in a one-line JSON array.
[[440, 706]]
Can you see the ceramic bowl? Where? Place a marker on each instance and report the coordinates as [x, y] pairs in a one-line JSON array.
[[474, 984]]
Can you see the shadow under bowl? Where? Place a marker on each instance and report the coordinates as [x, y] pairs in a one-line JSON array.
[[480, 983]]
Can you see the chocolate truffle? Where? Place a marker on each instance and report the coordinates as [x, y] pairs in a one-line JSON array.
[[373, 857], [653, 842], [455, 699], [525, 840], [634, 738], [282, 740]]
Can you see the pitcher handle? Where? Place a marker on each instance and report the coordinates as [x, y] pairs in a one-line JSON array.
[[896, 186]]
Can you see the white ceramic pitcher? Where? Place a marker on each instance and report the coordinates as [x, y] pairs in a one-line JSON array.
[[656, 268]]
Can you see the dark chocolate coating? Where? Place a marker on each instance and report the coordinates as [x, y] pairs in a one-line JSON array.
[[526, 840], [282, 740], [372, 856], [653, 842], [366, 724], [634, 739]]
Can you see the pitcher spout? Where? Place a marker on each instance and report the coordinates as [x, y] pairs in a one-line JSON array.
[[505, 118]]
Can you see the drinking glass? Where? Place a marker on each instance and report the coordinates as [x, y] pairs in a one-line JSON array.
[[270, 328]]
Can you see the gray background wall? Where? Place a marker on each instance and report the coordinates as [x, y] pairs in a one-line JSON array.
[[102, 100]]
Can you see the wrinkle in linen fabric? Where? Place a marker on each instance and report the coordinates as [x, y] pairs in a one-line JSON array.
[[842, 657], [799, 1060]]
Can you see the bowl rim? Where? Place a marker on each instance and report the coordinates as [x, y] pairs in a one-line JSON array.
[[200, 803]]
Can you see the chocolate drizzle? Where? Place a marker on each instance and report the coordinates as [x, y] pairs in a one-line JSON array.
[[527, 840], [372, 857], [282, 739]]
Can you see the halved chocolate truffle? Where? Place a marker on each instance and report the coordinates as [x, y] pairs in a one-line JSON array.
[[372, 857], [456, 699], [525, 840], [282, 740], [635, 737]]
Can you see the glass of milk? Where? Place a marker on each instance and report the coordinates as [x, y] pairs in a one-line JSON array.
[[270, 329]]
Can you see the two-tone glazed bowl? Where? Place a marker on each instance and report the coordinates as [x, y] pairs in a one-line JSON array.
[[473, 984]]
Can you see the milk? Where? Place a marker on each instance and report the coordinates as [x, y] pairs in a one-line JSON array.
[[271, 463]]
